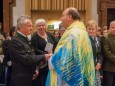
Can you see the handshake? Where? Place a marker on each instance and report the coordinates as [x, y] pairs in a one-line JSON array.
[[47, 56]]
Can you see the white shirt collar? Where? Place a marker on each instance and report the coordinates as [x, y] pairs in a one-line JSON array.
[[21, 33]]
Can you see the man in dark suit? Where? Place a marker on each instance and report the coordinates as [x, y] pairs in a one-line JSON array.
[[22, 55]]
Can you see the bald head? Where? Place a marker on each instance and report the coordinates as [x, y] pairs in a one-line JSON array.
[[73, 12], [69, 15]]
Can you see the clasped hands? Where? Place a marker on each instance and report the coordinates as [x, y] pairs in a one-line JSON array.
[[47, 56]]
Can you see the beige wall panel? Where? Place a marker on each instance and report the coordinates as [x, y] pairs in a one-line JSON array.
[[76, 4], [65, 3], [83, 5], [52, 9], [62, 4], [39, 4], [33, 4], [70, 3], [82, 15], [79, 5], [53, 3], [48, 16], [27, 7], [43, 4], [48, 4], [58, 4], [36, 5], [88, 10]]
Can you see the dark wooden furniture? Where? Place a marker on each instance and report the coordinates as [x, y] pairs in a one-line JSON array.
[[106, 12]]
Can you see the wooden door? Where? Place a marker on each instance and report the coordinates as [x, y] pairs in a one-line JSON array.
[[105, 12], [8, 14]]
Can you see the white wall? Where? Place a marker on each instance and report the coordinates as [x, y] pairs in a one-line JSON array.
[[94, 10], [18, 10]]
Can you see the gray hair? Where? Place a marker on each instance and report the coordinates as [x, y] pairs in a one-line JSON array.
[[40, 21], [92, 23], [22, 20], [112, 22]]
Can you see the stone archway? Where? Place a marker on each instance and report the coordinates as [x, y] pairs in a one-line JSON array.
[[8, 14]]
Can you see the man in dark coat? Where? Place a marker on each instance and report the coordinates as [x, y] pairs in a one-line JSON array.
[[108, 66], [22, 55]]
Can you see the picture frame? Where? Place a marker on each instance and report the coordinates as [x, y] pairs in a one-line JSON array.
[[50, 27]]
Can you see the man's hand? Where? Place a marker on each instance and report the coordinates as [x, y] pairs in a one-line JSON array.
[[35, 75], [47, 56]]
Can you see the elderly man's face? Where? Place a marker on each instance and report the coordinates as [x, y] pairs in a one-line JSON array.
[[64, 18], [41, 27], [27, 28], [112, 28]]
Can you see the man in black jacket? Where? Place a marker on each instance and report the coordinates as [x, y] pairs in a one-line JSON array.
[[22, 55]]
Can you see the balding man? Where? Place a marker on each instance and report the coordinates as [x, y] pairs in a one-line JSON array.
[[73, 57]]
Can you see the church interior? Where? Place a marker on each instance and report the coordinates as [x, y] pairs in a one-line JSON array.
[[102, 11]]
